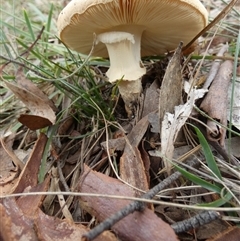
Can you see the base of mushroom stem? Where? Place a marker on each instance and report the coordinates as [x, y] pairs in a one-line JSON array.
[[130, 92]]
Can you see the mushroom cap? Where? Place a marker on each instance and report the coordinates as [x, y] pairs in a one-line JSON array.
[[162, 23]]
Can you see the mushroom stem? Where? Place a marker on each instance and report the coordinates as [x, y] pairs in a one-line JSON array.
[[125, 63], [130, 91]]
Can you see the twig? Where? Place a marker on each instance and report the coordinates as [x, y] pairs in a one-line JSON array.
[[133, 206], [196, 221]]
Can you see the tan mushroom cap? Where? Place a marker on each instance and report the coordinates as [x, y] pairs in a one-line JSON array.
[[163, 23]]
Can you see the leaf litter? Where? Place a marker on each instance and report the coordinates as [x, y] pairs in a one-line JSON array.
[[64, 217], [36, 101]]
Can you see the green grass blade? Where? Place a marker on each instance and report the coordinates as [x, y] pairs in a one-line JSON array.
[[38, 55], [18, 32], [37, 12], [208, 154], [51, 132], [218, 203], [6, 43], [197, 180], [48, 28], [49, 21], [29, 25]]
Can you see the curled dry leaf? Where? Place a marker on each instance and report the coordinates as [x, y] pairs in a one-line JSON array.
[[29, 174], [35, 100], [8, 149], [132, 169], [140, 226], [146, 161], [215, 102]]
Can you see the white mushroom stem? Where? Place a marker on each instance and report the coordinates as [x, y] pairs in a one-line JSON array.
[[125, 63]]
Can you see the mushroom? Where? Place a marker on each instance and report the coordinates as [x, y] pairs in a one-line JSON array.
[[126, 30]]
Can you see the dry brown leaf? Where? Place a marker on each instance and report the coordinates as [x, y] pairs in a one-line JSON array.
[[34, 122], [114, 144], [132, 169], [223, 37], [231, 234], [211, 229], [66, 126], [140, 226], [151, 99], [30, 223], [36, 101], [5, 226], [8, 171], [215, 102], [172, 84], [171, 214], [30, 204], [21, 227], [153, 119], [146, 161], [51, 228], [29, 174], [11, 154]]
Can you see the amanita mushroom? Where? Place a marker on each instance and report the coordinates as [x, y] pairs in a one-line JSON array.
[[127, 30]]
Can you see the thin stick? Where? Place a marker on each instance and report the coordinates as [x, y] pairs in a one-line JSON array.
[[196, 221]]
